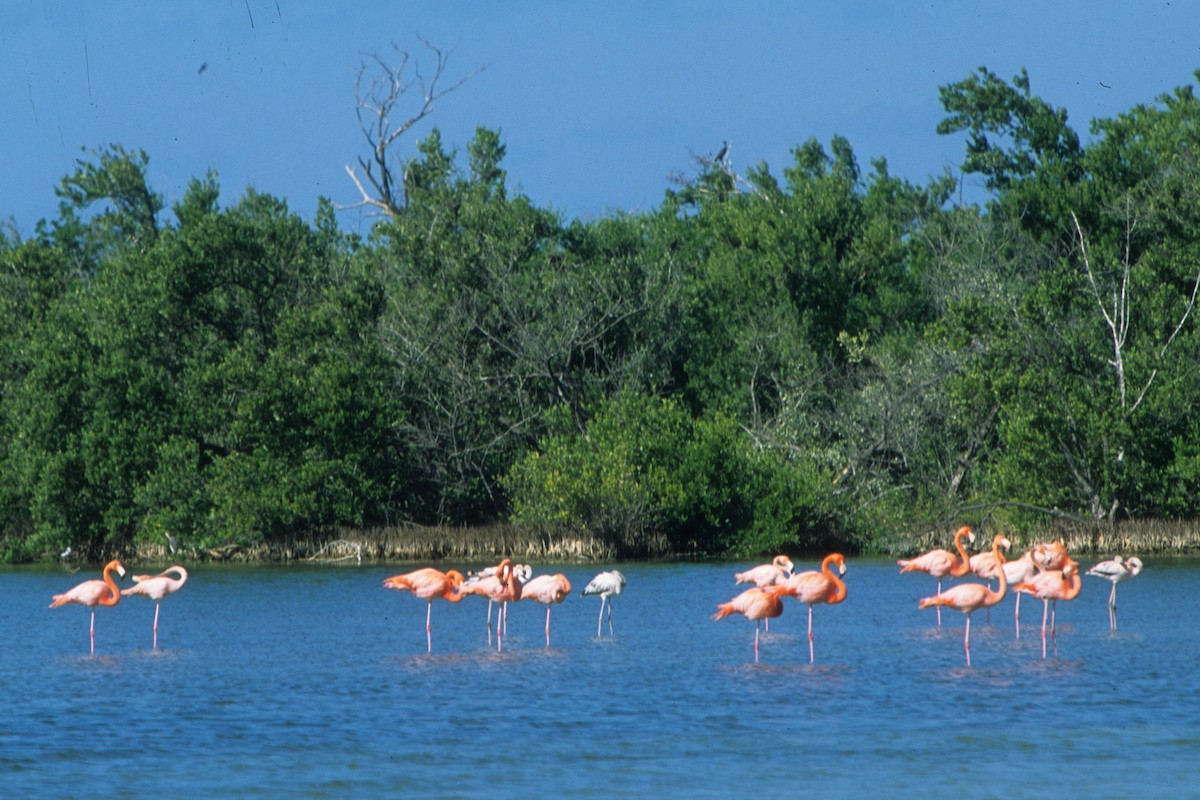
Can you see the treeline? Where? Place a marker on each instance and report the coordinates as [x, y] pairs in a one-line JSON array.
[[766, 361]]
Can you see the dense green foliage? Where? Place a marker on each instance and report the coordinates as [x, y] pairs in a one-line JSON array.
[[765, 362]]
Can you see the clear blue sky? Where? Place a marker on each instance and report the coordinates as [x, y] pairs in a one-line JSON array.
[[597, 102]]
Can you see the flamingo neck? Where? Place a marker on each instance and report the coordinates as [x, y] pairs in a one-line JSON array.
[[964, 564], [1002, 588], [1074, 586], [839, 586], [114, 593]]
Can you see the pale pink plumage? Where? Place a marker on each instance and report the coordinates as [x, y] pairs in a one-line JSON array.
[[156, 588], [968, 597], [548, 590]]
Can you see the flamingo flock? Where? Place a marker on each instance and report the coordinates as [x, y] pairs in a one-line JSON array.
[[1045, 571]]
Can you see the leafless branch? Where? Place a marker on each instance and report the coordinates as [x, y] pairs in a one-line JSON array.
[[377, 105]]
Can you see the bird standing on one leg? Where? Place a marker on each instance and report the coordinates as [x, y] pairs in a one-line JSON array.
[[756, 603], [156, 588], [940, 563], [93, 593]]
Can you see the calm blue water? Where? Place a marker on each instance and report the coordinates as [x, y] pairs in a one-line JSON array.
[[314, 682]]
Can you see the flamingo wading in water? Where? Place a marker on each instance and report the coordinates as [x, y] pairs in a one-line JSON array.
[[156, 588], [1050, 587], [523, 572], [93, 593], [778, 571], [757, 604], [502, 586], [608, 585], [967, 597], [549, 590], [814, 587], [428, 584], [940, 563], [1117, 570]]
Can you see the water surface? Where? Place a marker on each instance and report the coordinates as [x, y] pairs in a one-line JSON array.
[[315, 682]]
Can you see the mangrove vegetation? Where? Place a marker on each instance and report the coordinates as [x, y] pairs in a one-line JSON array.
[[773, 359]]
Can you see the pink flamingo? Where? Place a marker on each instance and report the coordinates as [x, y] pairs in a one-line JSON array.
[[429, 584], [93, 593], [773, 574], [547, 589], [967, 597], [1050, 587], [940, 563], [1117, 570], [502, 586], [814, 587], [156, 588], [778, 571], [523, 572], [1050, 555], [757, 604]]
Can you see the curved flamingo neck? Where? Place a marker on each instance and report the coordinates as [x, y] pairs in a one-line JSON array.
[[1075, 585], [114, 593], [964, 564], [839, 586], [1002, 588]]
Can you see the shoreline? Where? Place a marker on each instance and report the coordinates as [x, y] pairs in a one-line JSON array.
[[483, 544]]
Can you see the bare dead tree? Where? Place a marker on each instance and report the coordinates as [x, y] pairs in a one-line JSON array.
[[378, 104], [1117, 312]]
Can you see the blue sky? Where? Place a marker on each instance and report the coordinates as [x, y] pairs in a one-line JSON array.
[[598, 103]]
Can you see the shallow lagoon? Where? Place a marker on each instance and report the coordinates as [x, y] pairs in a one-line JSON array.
[[314, 682]]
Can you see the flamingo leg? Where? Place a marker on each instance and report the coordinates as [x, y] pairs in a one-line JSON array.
[[967, 640], [156, 606], [500, 628], [547, 626], [756, 625], [1045, 611], [1112, 608], [428, 627], [811, 657], [600, 620], [611, 635], [939, 608], [92, 631], [1017, 615]]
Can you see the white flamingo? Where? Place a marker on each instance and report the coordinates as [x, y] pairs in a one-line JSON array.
[[608, 585], [1117, 570]]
